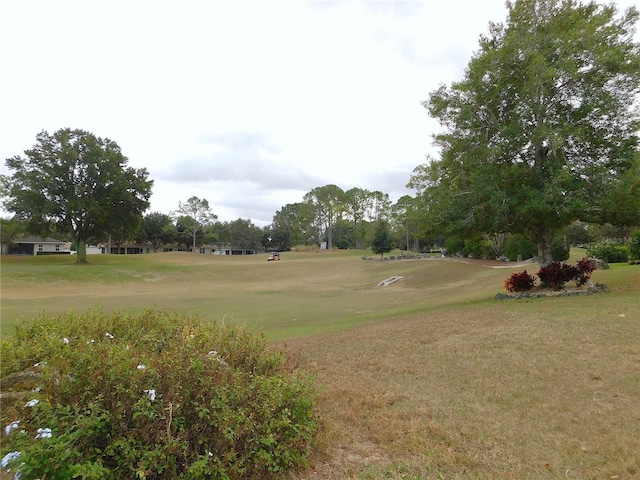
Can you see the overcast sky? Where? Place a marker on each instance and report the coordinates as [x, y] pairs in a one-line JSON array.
[[249, 104]]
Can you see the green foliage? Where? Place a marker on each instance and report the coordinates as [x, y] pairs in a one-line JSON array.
[[79, 184], [634, 245], [243, 233], [609, 251], [518, 244], [541, 128], [559, 249], [473, 247], [195, 213], [520, 282], [10, 229], [293, 225], [155, 395], [454, 245], [382, 239], [157, 229], [327, 202]]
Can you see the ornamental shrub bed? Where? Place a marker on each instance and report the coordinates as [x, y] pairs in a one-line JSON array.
[[150, 396], [553, 276]]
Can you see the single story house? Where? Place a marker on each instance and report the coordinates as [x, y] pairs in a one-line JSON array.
[[39, 246], [137, 249]]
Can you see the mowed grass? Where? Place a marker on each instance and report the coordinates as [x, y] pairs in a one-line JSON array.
[[303, 293], [429, 377]]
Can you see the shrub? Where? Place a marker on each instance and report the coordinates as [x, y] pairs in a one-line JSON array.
[[520, 282], [473, 248], [585, 268], [634, 246], [519, 245], [609, 251], [559, 249], [154, 395], [454, 246], [556, 274]]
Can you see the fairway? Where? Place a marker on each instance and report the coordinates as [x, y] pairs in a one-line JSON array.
[[428, 377], [302, 294]]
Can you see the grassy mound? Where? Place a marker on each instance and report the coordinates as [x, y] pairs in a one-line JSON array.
[[153, 395]]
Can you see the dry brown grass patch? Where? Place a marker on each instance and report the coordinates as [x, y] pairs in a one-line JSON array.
[[484, 391]]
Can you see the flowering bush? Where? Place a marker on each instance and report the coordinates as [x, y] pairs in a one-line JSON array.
[[151, 396], [519, 282]]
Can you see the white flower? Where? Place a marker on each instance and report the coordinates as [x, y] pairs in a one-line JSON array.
[[151, 393], [44, 433], [9, 457], [90, 342], [210, 454], [32, 403], [141, 366], [108, 335], [12, 426], [65, 340], [36, 389]]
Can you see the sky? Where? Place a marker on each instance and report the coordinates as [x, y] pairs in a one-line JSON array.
[[248, 104]]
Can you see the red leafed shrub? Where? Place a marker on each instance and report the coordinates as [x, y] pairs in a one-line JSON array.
[[556, 274], [585, 269], [520, 282]]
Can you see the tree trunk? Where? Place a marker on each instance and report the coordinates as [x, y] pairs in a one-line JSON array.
[[544, 242], [81, 255]]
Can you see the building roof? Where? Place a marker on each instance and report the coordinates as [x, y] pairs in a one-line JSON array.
[[31, 239]]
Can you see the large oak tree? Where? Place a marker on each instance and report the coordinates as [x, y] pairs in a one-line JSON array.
[[542, 127], [77, 183]]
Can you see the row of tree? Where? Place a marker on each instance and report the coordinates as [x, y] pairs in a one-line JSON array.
[[343, 219], [541, 131], [327, 215], [160, 229]]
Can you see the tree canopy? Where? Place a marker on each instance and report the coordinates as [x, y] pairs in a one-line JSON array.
[[157, 229], [541, 128], [382, 239], [72, 181], [199, 214]]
